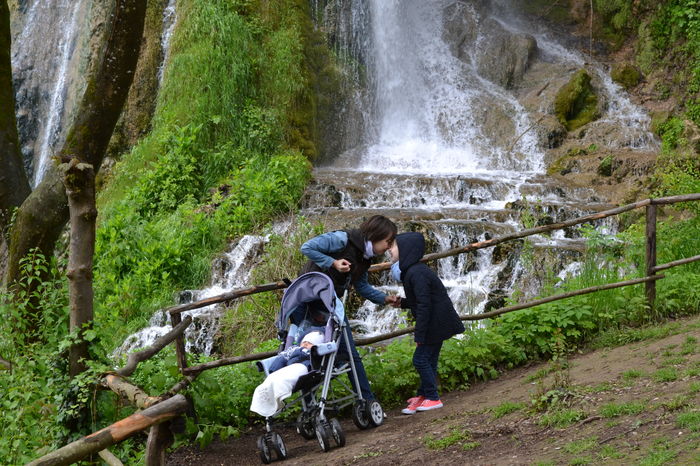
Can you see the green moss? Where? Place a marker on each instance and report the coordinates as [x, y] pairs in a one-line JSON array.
[[576, 103], [625, 75], [605, 168], [658, 121]]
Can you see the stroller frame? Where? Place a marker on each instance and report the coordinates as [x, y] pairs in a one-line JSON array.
[[313, 422]]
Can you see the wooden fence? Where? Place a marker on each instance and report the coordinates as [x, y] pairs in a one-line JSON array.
[[165, 407]]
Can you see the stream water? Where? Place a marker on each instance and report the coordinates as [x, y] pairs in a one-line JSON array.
[[444, 151]]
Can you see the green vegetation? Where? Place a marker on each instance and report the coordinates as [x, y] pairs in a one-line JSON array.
[[456, 436], [576, 102], [632, 374], [666, 374], [228, 151], [582, 445], [689, 420], [622, 409], [659, 455], [625, 75], [561, 418], [506, 408]]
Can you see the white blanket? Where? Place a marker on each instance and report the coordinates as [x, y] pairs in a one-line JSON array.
[[268, 396]]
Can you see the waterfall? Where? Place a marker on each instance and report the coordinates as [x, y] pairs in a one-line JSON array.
[[169, 20], [452, 146], [42, 55], [230, 271]]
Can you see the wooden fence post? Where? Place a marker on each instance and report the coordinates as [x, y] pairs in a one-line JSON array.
[[651, 254], [175, 319]]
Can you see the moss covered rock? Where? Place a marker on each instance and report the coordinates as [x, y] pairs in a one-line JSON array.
[[576, 102], [625, 75]]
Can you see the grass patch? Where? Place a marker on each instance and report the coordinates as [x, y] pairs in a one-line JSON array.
[[632, 374], [456, 436], [689, 346], [666, 374], [470, 446], [581, 460], [694, 388], [505, 408], [561, 418], [658, 456], [610, 452], [579, 446], [676, 403], [689, 420], [674, 361], [611, 410], [602, 387]]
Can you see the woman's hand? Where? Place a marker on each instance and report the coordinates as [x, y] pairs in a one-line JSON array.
[[342, 265], [394, 300]]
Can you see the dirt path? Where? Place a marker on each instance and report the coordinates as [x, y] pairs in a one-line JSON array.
[[634, 404]]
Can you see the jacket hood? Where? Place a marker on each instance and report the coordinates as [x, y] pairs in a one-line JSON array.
[[411, 249]]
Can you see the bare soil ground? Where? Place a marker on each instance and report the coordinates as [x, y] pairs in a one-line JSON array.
[[626, 405]]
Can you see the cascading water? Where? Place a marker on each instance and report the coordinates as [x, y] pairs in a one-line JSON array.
[[446, 147], [169, 20], [451, 146], [230, 271], [42, 54]]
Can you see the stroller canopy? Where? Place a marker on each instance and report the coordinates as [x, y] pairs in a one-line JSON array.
[[312, 286]]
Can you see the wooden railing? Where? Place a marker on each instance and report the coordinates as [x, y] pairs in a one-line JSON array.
[[165, 407]]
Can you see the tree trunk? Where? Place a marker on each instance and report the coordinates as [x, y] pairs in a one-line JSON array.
[[79, 179], [43, 215], [14, 186]]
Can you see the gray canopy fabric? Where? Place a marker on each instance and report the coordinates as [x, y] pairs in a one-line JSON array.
[[312, 286]]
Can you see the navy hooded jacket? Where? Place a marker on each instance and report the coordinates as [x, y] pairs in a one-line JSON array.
[[426, 296]]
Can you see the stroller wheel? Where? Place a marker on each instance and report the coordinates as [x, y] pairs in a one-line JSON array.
[[337, 432], [264, 449], [323, 435], [305, 426], [278, 446], [360, 415], [375, 413]]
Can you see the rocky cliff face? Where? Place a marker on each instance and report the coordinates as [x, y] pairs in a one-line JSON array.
[[570, 101]]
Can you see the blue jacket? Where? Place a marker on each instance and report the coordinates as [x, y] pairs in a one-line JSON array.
[[317, 249], [426, 296], [296, 355]]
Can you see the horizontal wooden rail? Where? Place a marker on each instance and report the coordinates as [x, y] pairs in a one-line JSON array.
[[447, 253], [517, 307], [668, 265], [522, 234], [228, 361], [228, 296]]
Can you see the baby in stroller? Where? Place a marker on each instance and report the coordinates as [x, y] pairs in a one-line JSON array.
[[310, 309], [284, 372]]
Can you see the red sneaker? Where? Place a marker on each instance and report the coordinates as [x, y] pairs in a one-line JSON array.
[[427, 405], [413, 404]]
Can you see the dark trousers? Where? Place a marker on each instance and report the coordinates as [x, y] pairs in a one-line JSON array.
[[425, 360], [359, 368]]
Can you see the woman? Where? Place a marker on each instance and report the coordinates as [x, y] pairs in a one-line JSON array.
[[345, 256]]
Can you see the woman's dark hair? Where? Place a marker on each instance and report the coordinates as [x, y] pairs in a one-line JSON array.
[[377, 228]]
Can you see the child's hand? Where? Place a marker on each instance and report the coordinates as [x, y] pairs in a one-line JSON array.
[[342, 265]]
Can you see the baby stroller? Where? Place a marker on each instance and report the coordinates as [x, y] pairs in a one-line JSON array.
[[310, 303]]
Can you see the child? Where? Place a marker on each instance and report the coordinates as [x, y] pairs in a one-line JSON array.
[[284, 372], [436, 318]]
